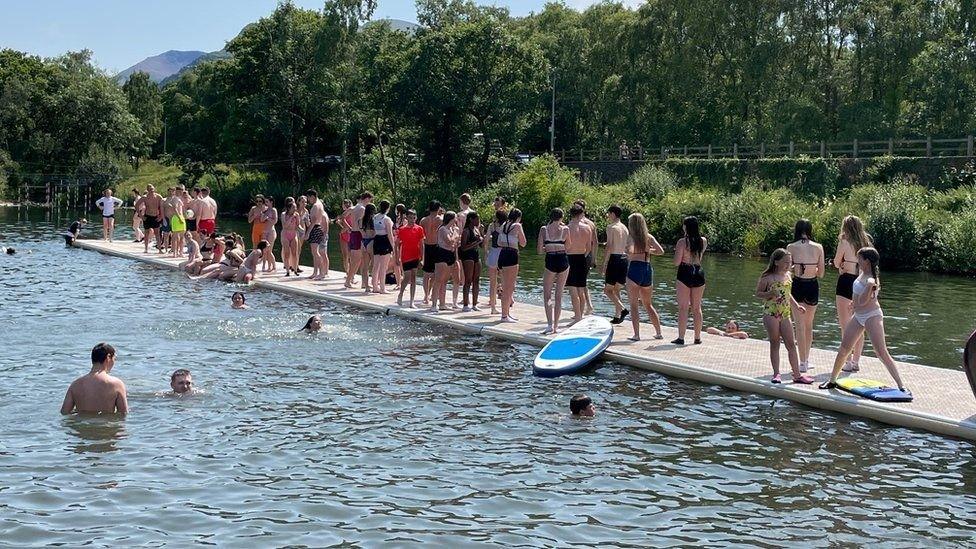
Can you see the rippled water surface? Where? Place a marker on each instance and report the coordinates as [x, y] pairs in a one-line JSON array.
[[384, 431]]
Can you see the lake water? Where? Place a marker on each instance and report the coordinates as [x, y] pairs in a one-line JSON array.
[[384, 431]]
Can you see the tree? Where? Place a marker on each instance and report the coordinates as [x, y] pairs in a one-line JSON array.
[[146, 105]]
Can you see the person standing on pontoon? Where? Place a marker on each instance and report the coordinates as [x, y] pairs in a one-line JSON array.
[[108, 203]]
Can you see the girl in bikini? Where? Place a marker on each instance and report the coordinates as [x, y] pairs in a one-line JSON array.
[[866, 317], [808, 269], [290, 224], [641, 245], [553, 239], [851, 239], [688, 254], [774, 289], [345, 225], [269, 218]]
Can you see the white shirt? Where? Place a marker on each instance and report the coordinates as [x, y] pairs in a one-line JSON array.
[[108, 204]]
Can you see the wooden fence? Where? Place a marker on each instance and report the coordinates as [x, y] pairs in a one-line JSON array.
[[926, 148]]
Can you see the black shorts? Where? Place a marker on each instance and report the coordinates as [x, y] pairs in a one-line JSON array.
[[112, 216], [164, 227], [692, 276], [191, 225], [806, 291], [845, 286], [616, 269], [579, 269], [469, 255], [508, 257], [430, 257], [316, 235], [381, 245], [557, 262], [446, 256], [411, 265], [150, 222]]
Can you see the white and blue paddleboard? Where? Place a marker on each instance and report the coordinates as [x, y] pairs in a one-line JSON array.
[[571, 350]]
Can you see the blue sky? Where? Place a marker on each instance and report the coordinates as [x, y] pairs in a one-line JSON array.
[[123, 32]]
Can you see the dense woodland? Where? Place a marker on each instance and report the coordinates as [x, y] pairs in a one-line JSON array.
[[459, 96]]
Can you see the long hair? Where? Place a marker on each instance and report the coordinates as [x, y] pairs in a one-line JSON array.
[[368, 216], [448, 218], [874, 258], [290, 205], [693, 233], [637, 226], [471, 220], [852, 229], [778, 254], [803, 230]]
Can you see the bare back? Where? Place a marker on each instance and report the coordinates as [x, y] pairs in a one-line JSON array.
[[431, 224], [617, 234], [580, 237], [96, 392]]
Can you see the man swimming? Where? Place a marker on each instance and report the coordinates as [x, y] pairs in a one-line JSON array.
[[582, 406], [97, 391], [108, 203], [181, 381]]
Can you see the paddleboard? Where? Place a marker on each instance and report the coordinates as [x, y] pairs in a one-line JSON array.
[[571, 350], [969, 361], [873, 390]]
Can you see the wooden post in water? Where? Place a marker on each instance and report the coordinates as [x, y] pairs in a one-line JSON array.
[[855, 148], [47, 193], [710, 151], [928, 146]]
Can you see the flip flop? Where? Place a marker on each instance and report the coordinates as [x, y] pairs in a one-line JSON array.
[[776, 379], [804, 380], [828, 385]]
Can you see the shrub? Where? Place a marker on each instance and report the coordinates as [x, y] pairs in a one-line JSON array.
[[954, 242], [664, 216], [652, 182], [755, 221], [535, 189], [895, 224]]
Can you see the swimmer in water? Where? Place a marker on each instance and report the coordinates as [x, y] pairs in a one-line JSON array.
[[582, 406], [97, 391], [238, 301], [313, 325], [181, 381], [731, 329], [9, 251]]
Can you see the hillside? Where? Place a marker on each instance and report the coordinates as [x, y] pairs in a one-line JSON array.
[[161, 66]]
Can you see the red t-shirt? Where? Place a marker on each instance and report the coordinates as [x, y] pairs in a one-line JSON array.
[[411, 239]]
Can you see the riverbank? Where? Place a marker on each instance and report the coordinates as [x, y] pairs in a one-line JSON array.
[[943, 402]]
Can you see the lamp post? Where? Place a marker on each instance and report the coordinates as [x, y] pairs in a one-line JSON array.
[[552, 117]]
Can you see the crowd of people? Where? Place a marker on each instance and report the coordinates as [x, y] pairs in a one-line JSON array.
[[386, 245]]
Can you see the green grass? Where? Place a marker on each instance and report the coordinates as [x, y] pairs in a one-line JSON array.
[[150, 173]]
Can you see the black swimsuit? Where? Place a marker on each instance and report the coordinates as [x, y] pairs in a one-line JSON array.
[[471, 254], [806, 290], [845, 283], [691, 274], [556, 262], [507, 256]]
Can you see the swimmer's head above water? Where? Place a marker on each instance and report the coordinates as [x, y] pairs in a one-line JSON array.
[[238, 301], [181, 381], [582, 405], [313, 325]]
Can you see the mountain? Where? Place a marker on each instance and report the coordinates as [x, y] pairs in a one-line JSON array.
[[166, 67], [212, 56], [161, 66]]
